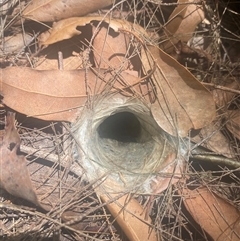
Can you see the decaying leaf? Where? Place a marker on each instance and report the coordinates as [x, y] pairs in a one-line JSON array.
[[60, 95], [54, 10], [130, 216], [217, 217], [182, 101], [233, 125], [14, 175], [181, 24]]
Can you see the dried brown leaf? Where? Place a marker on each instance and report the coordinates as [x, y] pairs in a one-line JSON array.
[[182, 102], [216, 216], [48, 94], [69, 63], [63, 29], [54, 10], [181, 24], [130, 216], [14, 175], [59, 95]]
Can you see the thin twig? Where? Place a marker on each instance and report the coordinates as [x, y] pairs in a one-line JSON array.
[[222, 88]]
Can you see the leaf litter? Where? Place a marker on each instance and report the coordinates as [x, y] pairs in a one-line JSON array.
[[176, 107]]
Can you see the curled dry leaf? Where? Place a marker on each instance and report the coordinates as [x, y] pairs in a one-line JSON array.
[[181, 24], [67, 28], [217, 217], [54, 10], [14, 175], [59, 95], [64, 29], [233, 125], [130, 216]]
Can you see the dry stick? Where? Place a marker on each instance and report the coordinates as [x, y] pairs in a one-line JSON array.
[[215, 159], [201, 154], [39, 153], [60, 60], [160, 3], [222, 88]]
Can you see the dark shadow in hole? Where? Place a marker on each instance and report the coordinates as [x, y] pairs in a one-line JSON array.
[[122, 126]]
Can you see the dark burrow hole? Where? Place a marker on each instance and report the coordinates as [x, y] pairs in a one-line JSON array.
[[122, 126]]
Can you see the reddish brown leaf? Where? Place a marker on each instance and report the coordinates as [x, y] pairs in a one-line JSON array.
[[54, 10], [217, 217], [14, 175]]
